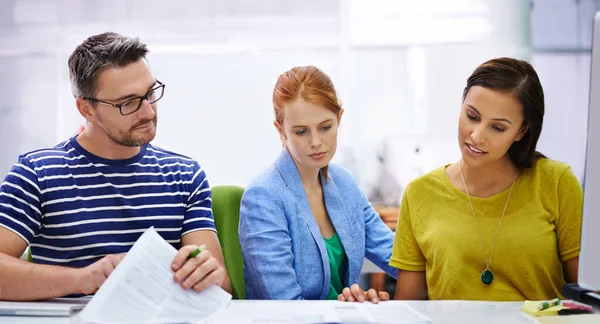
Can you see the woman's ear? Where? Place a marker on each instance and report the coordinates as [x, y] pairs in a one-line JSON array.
[[522, 133], [279, 130]]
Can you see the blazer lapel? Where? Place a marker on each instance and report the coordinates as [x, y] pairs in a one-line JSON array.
[[340, 218], [289, 172]]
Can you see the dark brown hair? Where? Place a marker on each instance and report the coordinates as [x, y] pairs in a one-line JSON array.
[[97, 53], [519, 79]]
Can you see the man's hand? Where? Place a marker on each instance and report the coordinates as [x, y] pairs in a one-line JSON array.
[[94, 275], [356, 294], [197, 273]]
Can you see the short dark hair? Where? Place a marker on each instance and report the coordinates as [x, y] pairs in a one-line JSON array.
[[518, 78], [97, 53]]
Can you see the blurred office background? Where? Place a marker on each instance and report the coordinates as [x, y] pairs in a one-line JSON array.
[[399, 67]]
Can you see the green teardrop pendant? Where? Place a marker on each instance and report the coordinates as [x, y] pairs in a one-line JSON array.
[[487, 277]]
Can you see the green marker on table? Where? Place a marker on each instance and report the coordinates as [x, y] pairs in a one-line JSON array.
[[197, 251], [548, 304]]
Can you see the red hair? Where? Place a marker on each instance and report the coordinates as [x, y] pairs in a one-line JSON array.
[[309, 84]]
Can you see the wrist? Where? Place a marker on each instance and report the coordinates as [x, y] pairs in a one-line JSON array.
[[75, 280]]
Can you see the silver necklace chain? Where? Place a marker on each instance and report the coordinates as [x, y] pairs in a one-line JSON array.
[[487, 261]]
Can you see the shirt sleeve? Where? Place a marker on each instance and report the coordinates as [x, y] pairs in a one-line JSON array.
[[379, 239], [267, 246], [20, 207], [568, 221], [198, 211], [406, 253]]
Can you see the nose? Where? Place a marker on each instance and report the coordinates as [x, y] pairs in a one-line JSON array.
[[315, 140], [146, 110], [478, 135]]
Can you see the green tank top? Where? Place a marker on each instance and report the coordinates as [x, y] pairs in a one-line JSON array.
[[337, 265]]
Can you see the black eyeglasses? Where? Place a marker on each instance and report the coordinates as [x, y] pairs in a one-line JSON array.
[[134, 104]]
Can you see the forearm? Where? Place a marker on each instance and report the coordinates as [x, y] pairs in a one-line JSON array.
[[379, 246], [410, 294], [23, 281], [571, 269], [411, 285]]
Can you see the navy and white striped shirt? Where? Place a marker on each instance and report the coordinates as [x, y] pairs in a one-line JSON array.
[[73, 207]]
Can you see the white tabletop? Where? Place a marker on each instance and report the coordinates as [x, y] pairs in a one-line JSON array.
[[442, 312], [450, 312]]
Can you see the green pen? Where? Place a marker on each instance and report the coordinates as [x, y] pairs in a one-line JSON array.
[[548, 304], [197, 251]]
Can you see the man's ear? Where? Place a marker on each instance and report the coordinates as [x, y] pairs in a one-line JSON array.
[[86, 110]]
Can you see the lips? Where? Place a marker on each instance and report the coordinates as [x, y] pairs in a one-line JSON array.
[[143, 126], [317, 155], [475, 149]]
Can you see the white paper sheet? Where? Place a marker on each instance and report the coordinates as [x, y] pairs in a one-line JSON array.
[[277, 311], [303, 312], [393, 312], [141, 290]]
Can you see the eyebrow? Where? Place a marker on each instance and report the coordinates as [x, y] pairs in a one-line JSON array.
[[323, 122], [497, 119], [129, 96]]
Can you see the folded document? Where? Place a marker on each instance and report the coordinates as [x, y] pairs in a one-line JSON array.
[[141, 290]]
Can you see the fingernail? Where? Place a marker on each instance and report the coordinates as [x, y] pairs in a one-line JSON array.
[[176, 278], [361, 298], [375, 300], [173, 266]]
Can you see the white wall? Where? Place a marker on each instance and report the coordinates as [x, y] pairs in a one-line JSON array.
[[566, 80], [561, 41], [218, 108], [28, 114], [220, 60]]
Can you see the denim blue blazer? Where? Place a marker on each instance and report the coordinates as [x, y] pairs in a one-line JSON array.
[[283, 250]]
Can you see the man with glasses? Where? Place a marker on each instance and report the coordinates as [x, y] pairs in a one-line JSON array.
[[83, 203]]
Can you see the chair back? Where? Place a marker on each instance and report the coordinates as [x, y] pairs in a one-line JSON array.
[[226, 210]]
